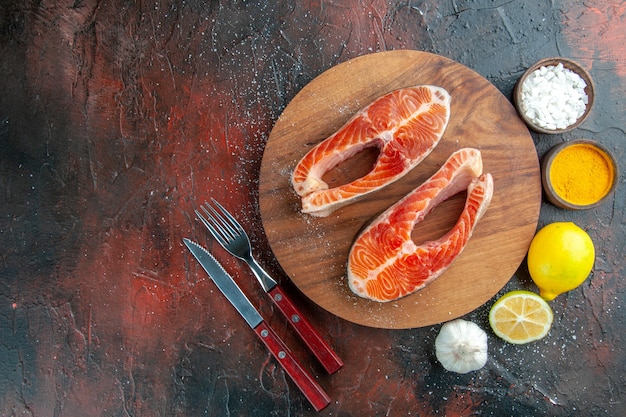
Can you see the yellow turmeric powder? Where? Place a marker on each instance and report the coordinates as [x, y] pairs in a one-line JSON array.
[[581, 174]]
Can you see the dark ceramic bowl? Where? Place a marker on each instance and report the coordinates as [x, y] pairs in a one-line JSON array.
[[578, 171], [569, 64]]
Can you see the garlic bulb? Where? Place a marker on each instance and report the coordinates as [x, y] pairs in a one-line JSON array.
[[461, 346]]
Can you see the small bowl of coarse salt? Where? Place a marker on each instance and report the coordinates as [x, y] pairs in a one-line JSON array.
[[555, 95]]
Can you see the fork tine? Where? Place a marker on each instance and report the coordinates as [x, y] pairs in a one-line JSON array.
[[209, 225], [218, 222], [224, 226], [227, 230], [227, 214]]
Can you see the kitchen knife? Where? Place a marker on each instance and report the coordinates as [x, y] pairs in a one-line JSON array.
[[231, 235], [309, 387]]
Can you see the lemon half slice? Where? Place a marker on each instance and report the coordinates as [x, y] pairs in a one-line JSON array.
[[520, 317]]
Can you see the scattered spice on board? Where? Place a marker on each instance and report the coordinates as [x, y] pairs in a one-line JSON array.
[[581, 174]]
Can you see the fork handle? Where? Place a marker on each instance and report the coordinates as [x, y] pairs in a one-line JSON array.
[[309, 387], [318, 346]]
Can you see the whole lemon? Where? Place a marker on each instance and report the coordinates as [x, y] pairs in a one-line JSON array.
[[560, 258]]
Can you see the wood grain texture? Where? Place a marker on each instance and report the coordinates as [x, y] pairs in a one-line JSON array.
[[313, 251]]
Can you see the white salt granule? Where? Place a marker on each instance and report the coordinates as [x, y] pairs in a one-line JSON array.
[[553, 97]]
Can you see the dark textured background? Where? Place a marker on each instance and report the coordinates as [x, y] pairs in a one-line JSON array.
[[118, 117]]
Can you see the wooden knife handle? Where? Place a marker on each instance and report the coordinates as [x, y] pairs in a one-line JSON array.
[[309, 387], [318, 346]]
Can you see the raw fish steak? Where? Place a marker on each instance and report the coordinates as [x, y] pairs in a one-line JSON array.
[[384, 263], [405, 125]]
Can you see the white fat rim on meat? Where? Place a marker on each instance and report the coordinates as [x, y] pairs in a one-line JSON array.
[[314, 181]]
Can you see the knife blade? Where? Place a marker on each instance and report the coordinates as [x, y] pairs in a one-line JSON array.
[[230, 234], [225, 283]]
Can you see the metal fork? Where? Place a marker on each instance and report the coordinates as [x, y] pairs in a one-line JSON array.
[[229, 233]]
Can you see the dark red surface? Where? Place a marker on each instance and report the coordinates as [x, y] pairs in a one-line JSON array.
[[118, 118]]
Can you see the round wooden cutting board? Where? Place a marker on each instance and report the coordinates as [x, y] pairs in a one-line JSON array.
[[314, 251]]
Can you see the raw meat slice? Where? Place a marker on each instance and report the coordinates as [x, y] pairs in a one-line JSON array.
[[384, 263], [406, 125]]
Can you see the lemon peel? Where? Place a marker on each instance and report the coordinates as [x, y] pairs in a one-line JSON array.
[[560, 258]]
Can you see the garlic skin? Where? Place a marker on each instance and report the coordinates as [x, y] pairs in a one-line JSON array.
[[461, 346]]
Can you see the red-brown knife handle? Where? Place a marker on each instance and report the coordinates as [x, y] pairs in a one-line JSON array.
[[318, 346], [309, 387]]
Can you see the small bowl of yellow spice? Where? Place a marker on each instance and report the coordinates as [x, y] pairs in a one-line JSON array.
[[579, 174]]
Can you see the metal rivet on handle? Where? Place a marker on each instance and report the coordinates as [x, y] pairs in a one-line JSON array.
[[264, 333], [281, 355], [278, 297], [295, 318]]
